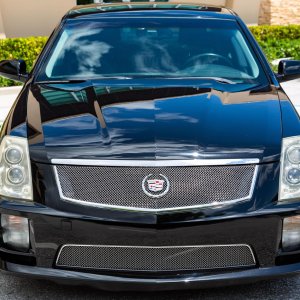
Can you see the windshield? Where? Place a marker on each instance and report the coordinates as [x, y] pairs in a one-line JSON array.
[[89, 49]]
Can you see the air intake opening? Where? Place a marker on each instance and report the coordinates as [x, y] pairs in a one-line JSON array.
[[155, 259]]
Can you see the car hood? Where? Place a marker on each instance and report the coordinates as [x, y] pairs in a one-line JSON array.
[[151, 122]]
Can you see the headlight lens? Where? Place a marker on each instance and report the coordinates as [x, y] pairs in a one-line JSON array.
[[293, 154], [15, 170], [15, 175], [13, 155]]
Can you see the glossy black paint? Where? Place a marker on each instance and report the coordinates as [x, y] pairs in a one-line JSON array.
[[14, 69], [133, 121], [118, 283], [261, 229], [289, 69], [152, 119]]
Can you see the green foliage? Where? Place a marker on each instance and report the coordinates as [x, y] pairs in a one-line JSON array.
[[20, 48], [276, 42]]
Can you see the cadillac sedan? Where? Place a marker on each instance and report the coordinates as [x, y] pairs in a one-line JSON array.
[[151, 148]]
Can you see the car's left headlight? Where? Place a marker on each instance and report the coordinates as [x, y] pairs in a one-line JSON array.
[[15, 170], [289, 187]]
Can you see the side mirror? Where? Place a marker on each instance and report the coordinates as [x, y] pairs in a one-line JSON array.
[[14, 69], [289, 70]]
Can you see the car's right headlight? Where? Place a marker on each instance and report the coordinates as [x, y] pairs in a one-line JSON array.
[[15, 170], [289, 187]]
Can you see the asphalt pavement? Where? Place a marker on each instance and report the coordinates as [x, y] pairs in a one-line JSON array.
[[25, 288]]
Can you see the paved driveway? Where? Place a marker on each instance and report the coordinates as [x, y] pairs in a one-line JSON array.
[[7, 98], [22, 288], [292, 88]]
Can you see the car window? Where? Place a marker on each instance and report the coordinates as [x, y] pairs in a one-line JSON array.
[[164, 47]]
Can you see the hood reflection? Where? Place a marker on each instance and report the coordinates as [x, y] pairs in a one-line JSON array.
[[156, 123]]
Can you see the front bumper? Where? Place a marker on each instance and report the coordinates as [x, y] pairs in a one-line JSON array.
[[51, 229], [118, 283]]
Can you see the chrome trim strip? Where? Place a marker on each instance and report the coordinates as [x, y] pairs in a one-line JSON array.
[[155, 163], [154, 247], [128, 208]]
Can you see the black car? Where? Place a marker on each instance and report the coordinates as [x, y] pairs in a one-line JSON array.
[[151, 148]]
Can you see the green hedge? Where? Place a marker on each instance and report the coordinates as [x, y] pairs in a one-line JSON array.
[[276, 41]]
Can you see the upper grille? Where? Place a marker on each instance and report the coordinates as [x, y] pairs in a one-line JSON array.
[[122, 187], [155, 259]]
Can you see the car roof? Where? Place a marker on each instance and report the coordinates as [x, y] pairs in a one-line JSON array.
[[150, 8]]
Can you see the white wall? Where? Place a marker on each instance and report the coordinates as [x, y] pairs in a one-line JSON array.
[[213, 2], [247, 10], [32, 17], [209, 2], [2, 30], [39, 17]]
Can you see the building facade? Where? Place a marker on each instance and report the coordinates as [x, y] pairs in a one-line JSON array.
[[39, 17], [31, 17], [280, 12]]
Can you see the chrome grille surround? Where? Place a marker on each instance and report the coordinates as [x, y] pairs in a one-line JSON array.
[[113, 185], [155, 259]]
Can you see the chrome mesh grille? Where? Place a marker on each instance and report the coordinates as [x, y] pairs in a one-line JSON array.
[[122, 186], [175, 258]]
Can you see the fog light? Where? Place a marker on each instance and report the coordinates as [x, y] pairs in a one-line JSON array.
[[15, 232], [291, 234]]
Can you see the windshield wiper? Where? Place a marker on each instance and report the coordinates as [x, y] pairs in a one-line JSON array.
[[74, 81], [70, 81], [221, 80], [218, 79], [61, 81]]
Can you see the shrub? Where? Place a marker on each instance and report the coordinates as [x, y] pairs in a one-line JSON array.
[[276, 42], [20, 48]]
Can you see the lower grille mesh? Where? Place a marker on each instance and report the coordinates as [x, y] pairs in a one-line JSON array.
[[188, 186], [135, 258]]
